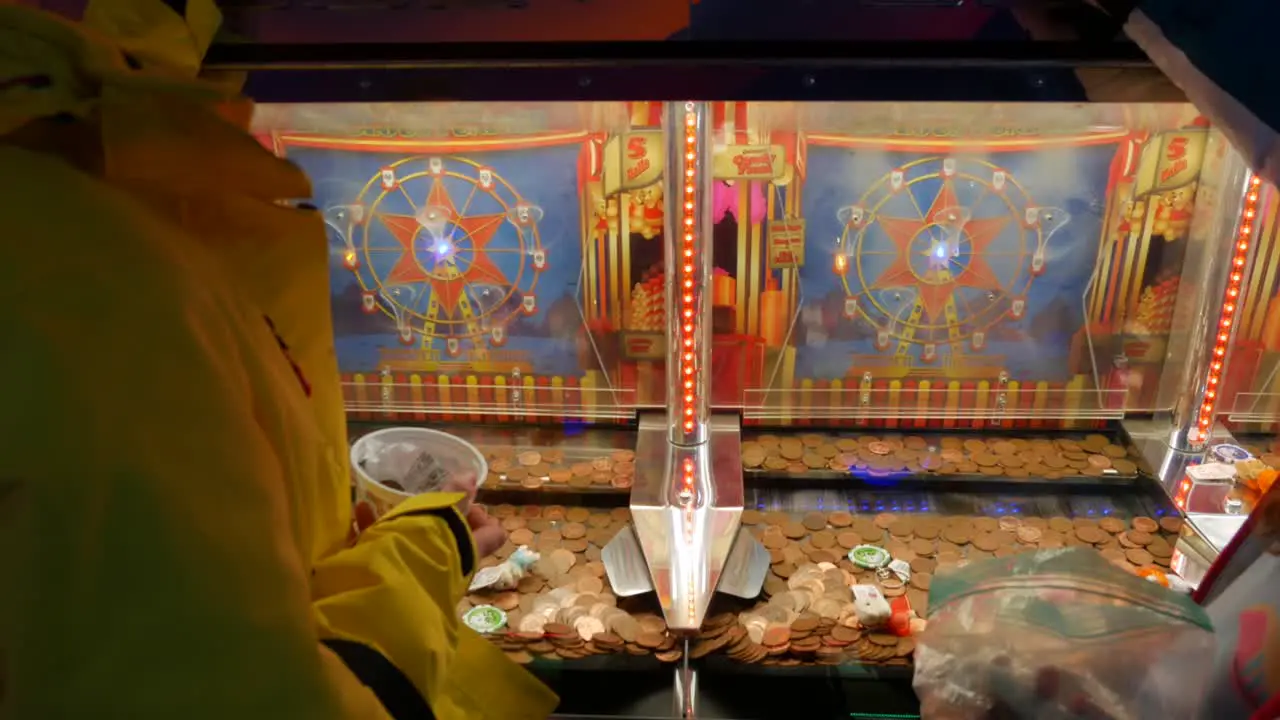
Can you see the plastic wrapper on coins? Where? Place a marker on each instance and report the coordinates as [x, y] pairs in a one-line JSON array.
[[1058, 634]]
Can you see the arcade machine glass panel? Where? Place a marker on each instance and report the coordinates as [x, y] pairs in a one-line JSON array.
[[496, 272], [940, 314], [948, 266]]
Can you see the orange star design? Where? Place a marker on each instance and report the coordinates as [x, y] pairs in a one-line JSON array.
[[474, 266], [941, 285]]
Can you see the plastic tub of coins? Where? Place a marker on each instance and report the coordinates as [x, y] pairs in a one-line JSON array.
[[397, 463]]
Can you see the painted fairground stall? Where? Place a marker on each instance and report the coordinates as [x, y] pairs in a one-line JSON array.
[[493, 265], [900, 267]]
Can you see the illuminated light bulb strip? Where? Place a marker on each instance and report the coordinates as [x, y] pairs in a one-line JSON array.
[[1230, 303], [686, 274], [688, 309]]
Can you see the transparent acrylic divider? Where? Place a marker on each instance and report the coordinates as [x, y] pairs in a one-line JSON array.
[[468, 398], [1033, 401], [1255, 407]]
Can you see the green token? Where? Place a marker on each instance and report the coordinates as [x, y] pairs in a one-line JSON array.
[[871, 557], [485, 619]]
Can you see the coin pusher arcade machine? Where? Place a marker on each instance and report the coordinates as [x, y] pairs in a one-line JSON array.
[[710, 340]]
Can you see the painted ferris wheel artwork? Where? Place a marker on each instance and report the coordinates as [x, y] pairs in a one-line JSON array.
[[938, 252], [445, 247]]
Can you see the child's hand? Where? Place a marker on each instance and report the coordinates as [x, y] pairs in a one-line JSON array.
[[464, 483], [486, 530]]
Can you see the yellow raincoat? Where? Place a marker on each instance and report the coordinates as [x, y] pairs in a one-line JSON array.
[[174, 508]]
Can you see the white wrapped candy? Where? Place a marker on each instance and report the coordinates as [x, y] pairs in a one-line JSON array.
[[504, 576], [871, 606]]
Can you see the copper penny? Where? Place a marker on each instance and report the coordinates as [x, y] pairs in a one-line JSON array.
[[1029, 535], [1139, 557], [823, 540], [814, 521], [928, 529], [985, 524], [1138, 537], [986, 542], [921, 547], [880, 448], [1112, 525], [1160, 548], [884, 520], [1091, 535], [1009, 524], [840, 519], [1102, 462], [1145, 524], [794, 530], [650, 640], [1123, 466], [529, 457]]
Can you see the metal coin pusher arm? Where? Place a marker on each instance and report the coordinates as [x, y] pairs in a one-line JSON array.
[[686, 541]]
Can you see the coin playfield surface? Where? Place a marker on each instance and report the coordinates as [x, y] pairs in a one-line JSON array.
[[565, 610], [810, 455]]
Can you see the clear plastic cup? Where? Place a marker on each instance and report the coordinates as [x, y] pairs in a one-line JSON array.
[[397, 463]]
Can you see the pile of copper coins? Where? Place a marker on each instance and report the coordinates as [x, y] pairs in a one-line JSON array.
[[1049, 458], [557, 468], [564, 608], [813, 621], [805, 614]]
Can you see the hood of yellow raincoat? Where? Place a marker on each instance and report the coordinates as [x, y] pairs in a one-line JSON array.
[[132, 69]]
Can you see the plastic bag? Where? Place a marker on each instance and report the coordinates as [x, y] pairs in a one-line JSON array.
[[1058, 634]]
